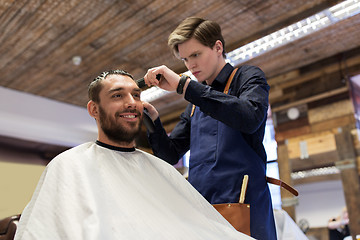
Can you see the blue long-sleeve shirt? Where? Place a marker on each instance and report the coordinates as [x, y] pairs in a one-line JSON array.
[[243, 109], [225, 135]]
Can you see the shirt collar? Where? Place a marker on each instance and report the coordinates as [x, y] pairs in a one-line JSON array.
[[220, 81], [111, 147]]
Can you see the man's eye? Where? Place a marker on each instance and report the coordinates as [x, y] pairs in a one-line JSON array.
[[117, 96]]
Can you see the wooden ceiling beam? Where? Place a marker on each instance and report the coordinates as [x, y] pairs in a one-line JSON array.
[[311, 99], [294, 78]]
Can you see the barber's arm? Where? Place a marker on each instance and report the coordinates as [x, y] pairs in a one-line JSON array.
[[168, 81], [244, 110], [169, 148]]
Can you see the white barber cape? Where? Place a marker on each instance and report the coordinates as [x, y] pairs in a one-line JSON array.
[[93, 192]]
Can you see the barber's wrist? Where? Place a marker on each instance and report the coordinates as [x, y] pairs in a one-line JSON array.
[[186, 84], [181, 85]]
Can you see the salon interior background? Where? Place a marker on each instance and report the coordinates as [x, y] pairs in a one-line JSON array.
[[310, 52]]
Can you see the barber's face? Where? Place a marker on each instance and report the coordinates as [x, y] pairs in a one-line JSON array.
[[204, 62], [120, 108]]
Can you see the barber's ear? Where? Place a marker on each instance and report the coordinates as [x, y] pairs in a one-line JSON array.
[[92, 108], [219, 46]]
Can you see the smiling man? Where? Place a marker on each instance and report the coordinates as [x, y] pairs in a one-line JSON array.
[[116, 106], [108, 189]]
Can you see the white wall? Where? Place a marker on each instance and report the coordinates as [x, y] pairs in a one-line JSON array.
[[318, 202], [40, 119], [17, 184], [30, 117]]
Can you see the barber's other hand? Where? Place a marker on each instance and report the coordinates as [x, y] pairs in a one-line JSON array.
[[169, 79], [153, 113]]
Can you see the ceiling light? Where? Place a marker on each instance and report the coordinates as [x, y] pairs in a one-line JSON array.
[[297, 30], [315, 172], [76, 60], [293, 113]]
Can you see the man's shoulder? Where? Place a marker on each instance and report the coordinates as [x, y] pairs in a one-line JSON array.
[[78, 148], [77, 151], [157, 161], [147, 155]]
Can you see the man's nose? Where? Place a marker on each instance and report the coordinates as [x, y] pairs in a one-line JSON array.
[[130, 101]]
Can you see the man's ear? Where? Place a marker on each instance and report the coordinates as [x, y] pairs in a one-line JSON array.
[[92, 108], [219, 46]]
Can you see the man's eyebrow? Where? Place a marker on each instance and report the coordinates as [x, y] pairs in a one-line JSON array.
[[115, 90], [121, 89]]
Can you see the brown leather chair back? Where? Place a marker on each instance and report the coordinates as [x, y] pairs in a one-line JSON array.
[[8, 227]]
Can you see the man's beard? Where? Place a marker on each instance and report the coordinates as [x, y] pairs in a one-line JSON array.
[[115, 131]]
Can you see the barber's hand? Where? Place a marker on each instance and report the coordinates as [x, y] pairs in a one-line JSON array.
[[153, 113], [169, 79]]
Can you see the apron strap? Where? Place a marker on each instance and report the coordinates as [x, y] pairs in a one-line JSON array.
[[282, 184], [192, 110], [226, 90]]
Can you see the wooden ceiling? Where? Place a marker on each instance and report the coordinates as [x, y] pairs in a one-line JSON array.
[[38, 40]]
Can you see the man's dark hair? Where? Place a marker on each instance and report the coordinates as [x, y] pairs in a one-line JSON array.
[[95, 86]]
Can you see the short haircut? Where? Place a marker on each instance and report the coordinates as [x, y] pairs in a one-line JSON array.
[[205, 31], [95, 86]]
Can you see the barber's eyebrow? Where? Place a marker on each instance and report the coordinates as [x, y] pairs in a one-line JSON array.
[[194, 53], [191, 55]]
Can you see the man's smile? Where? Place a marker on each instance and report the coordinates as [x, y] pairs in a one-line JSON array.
[[128, 116]]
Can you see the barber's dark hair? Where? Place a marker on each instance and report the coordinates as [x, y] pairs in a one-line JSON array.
[[205, 31], [95, 86]]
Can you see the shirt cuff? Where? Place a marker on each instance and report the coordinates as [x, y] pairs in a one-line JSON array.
[[194, 92]]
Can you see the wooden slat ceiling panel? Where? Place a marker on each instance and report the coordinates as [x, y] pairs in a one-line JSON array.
[[39, 38], [259, 18], [333, 40], [52, 45]]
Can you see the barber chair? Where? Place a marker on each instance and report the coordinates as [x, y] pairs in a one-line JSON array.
[[8, 227]]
